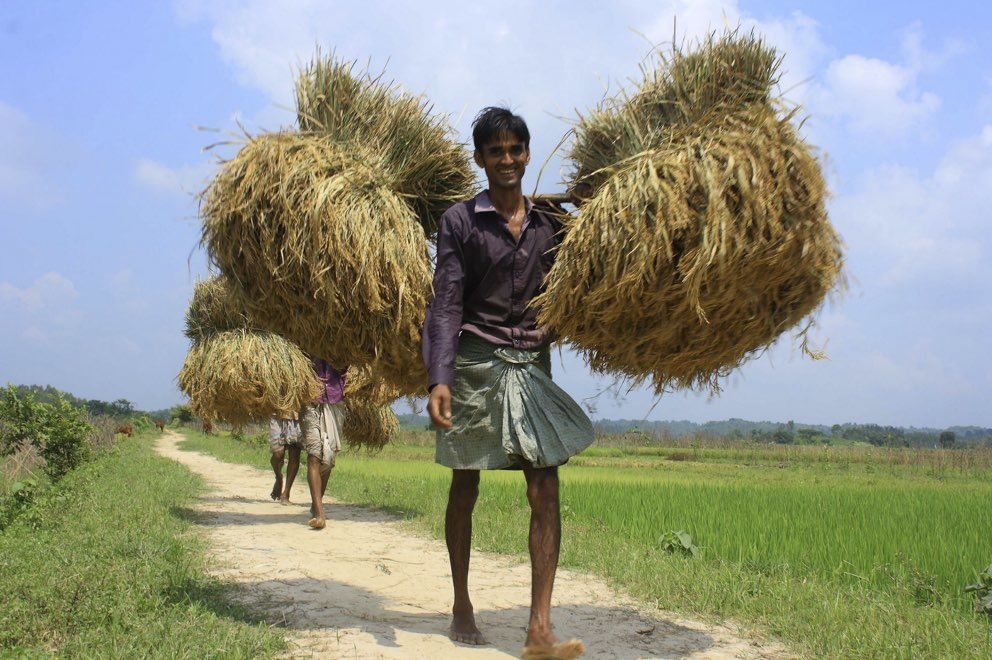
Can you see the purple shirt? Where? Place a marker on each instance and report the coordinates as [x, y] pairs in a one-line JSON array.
[[331, 379], [485, 280]]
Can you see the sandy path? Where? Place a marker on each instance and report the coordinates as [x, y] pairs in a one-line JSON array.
[[366, 588]]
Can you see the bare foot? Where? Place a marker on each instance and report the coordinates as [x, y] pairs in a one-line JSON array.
[[277, 488], [544, 645], [464, 630], [317, 523], [284, 500]]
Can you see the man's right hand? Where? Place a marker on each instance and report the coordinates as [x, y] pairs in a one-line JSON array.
[[439, 406]]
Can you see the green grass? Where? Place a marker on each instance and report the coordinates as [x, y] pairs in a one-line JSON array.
[[105, 565], [861, 555]]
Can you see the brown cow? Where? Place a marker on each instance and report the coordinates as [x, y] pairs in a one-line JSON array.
[[160, 425], [125, 429], [208, 428]]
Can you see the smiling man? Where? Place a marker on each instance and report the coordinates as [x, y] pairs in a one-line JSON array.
[[489, 369]]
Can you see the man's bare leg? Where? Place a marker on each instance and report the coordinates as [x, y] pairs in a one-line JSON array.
[[544, 543], [276, 462], [458, 535], [317, 478], [325, 476], [292, 467]]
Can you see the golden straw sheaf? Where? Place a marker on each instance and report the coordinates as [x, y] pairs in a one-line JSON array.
[[368, 425], [706, 236], [213, 309], [235, 372], [369, 421], [241, 375], [324, 232]]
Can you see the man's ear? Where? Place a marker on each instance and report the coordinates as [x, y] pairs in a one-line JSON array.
[[527, 162], [478, 159]]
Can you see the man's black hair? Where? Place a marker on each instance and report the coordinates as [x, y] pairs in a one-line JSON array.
[[491, 122]]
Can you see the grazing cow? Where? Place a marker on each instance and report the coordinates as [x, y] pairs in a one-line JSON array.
[[125, 429], [160, 425], [208, 428]]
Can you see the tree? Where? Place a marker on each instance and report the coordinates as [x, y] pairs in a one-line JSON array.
[[782, 437], [181, 414], [122, 408], [947, 439]]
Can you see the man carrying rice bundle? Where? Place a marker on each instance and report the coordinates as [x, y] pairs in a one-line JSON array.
[[489, 369], [284, 435], [320, 428]]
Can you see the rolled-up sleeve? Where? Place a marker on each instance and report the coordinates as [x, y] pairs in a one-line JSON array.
[[444, 314]]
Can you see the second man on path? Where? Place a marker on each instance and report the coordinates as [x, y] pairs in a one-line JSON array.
[[321, 427]]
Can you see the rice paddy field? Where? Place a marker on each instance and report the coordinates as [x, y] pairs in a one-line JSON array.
[[838, 551]]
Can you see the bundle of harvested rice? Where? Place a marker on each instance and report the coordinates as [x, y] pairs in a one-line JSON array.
[[324, 232], [235, 372], [427, 166], [213, 309], [368, 425], [362, 383], [369, 421], [706, 235], [241, 375]]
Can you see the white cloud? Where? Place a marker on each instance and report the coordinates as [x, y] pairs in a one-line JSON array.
[[41, 313], [929, 230], [873, 96], [920, 58], [185, 180], [50, 289], [24, 168]]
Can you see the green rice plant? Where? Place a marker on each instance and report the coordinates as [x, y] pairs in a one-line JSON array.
[[834, 561]]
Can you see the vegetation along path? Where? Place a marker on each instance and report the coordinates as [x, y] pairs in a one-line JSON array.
[[365, 587]]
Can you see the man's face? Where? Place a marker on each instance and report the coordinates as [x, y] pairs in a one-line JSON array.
[[504, 160]]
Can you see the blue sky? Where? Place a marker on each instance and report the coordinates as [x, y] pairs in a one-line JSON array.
[[100, 154]]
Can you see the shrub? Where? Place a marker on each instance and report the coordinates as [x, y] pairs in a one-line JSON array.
[[14, 501], [679, 543], [983, 591], [57, 430], [66, 443]]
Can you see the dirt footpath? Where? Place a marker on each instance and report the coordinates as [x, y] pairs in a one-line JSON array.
[[366, 588]]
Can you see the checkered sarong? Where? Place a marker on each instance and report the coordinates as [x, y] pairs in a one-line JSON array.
[[506, 411], [283, 433]]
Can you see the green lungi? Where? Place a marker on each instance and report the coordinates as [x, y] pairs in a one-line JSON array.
[[507, 412]]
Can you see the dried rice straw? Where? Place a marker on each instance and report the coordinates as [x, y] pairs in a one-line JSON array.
[[706, 236]]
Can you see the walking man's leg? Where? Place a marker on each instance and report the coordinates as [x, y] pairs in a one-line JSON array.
[[292, 468], [276, 461], [458, 535], [325, 476], [544, 542], [317, 478]]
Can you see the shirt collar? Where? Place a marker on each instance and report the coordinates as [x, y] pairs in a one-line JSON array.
[[485, 205]]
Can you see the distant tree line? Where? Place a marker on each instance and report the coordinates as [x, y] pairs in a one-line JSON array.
[[119, 409], [793, 433]]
